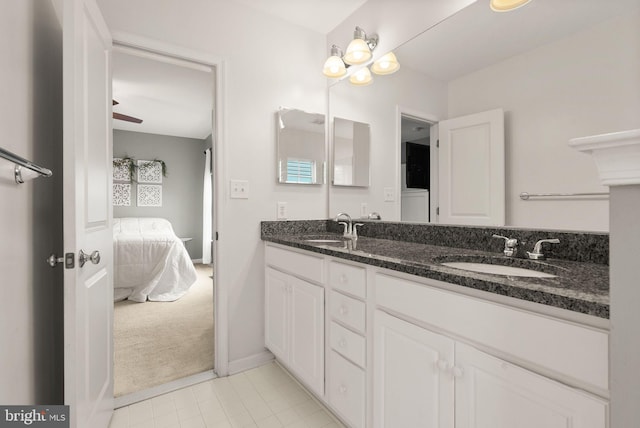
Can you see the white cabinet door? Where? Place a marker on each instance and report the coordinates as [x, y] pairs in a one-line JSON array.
[[412, 384], [491, 393], [306, 354], [294, 326], [276, 292], [471, 169]]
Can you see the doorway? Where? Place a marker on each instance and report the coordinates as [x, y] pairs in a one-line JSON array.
[[415, 168], [161, 344]]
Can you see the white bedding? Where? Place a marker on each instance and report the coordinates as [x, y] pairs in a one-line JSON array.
[[151, 263]]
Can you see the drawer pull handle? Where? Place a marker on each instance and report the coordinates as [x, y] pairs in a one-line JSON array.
[[342, 389], [342, 343], [343, 310]]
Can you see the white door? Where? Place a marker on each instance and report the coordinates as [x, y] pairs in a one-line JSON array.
[[491, 393], [306, 355], [413, 386], [276, 313], [87, 152], [471, 170]]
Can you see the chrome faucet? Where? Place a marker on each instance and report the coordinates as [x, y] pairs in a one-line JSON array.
[[536, 254], [350, 229], [510, 245]]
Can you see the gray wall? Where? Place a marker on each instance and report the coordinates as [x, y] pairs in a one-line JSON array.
[[31, 320], [181, 188]]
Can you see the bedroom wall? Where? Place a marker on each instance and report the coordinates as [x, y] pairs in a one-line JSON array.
[[31, 324], [181, 188]]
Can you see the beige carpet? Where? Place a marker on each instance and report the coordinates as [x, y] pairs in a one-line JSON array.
[[158, 342]]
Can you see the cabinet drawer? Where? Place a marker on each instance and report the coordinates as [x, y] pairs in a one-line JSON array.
[[349, 344], [347, 390], [348, 311], [301, 265], [567, 348], [348, 278]]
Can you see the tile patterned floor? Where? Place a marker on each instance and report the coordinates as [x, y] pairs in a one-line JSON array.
[[265, 397]]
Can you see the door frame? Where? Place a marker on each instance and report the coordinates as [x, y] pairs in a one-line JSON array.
[[433, 190], [218, 64]]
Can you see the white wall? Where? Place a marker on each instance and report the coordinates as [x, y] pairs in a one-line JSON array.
[[376, 105], [269, 63], [585, 84], [31, 359]]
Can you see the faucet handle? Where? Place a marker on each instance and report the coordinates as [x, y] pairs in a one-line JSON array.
[[510, 245], [536, 254], [345, 232], [354, 233]]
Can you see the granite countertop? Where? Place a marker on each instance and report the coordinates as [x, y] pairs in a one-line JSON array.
[[577, 286]]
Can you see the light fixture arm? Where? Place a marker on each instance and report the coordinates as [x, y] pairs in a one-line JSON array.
[[371, 41]]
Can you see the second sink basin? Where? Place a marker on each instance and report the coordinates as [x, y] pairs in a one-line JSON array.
[[496, 269]]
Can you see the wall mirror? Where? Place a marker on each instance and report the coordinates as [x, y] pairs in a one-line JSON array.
[[350, 153], [550, 85], [300, 144]]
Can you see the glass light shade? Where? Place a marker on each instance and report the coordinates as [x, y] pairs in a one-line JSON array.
[[334, 67], [358, 52], [387, 64], [361, 77], [507, 5]]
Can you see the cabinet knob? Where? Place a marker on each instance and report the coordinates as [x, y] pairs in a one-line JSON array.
[[442, 365], [457, 371], [342, 343], [343, 278], [343, 310], [342, 389]]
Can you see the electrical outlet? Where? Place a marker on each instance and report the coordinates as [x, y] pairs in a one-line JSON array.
[[389, 194], [364, 211], [239, 189], [282, 211]]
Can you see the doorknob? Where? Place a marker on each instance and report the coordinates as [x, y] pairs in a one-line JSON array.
[[84, 257], [53, 260]]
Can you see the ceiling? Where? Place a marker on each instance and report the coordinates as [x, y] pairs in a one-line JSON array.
[[174, 99]]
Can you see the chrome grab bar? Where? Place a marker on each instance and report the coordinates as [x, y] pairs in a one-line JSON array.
[[22, 162]]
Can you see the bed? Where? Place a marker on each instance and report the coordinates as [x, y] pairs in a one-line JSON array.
[[150, 261]]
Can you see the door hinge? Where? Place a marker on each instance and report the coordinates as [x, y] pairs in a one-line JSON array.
[[437, 210], [437, 144], [216, 236]]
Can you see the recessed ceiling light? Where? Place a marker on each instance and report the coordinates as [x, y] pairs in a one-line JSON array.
[[507, 5]]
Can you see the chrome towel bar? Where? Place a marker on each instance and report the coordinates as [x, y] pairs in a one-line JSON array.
[[525, 196], [22, 162]]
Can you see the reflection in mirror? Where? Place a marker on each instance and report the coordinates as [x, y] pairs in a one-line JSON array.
[[415, 169], [550, 84], [301, 147], [350, 153]]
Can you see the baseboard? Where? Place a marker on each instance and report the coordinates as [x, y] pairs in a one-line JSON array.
[[250, 362], [196, 261], [138, 396]]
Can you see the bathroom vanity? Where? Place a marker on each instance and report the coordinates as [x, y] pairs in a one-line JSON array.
[[387, 336]]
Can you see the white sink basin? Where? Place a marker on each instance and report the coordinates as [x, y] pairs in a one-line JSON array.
[[498, 269]]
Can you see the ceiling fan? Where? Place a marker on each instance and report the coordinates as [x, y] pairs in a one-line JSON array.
[[124, 117]]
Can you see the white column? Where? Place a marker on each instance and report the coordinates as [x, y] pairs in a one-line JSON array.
[[617, 156]]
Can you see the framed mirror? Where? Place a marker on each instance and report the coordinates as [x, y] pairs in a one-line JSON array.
[[300, 140], [351, 141]]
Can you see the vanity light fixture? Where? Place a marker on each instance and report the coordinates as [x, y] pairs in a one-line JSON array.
[[334, 66], [362, 77], [387, 64], [507, 5], [359, 52]]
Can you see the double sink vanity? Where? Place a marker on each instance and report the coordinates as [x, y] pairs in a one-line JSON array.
[[418, 325]]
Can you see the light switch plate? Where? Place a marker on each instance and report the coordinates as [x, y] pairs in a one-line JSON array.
[[239, 189], [364, 211], [282, 211]]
